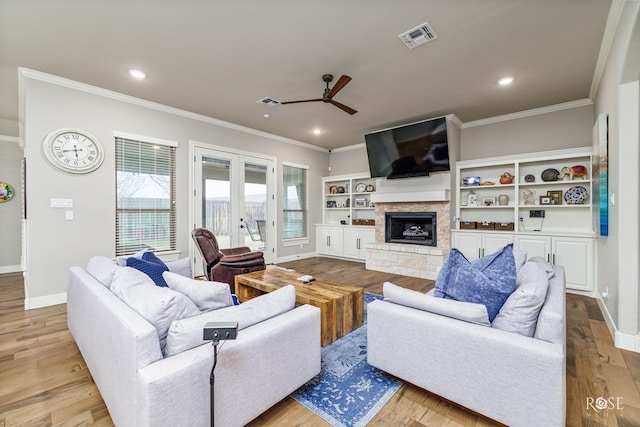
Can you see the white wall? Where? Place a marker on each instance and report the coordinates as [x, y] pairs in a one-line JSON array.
[[615, 272], [11, 211], [564, 126], [54, 244]]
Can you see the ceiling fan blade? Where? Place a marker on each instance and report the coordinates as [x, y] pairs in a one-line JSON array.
[[344, 107], [342, 82], [302, 100]]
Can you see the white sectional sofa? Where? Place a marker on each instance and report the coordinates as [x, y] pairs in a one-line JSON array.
[[142, 387], [511, 378]]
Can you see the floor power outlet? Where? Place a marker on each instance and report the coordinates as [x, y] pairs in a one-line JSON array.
[[536, 213]]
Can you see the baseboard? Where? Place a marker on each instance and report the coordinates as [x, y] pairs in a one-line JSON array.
[[10, 268], [296, 257], [620, 340], [627, 342], [45, 301], [611, 324]]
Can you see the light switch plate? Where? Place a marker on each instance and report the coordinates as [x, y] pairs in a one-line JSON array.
[[62, 203]]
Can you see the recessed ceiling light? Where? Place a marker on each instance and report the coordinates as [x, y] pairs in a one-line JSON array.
[[505, 81], [266, 116], [317, 131], [137, 74]]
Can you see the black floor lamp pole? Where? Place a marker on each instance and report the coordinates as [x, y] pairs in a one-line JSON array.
[[212, 380]]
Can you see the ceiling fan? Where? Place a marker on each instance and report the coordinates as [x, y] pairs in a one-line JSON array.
[[328, 94]]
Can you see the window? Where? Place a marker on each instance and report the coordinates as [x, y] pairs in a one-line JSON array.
[[294, 200], [145, 196]]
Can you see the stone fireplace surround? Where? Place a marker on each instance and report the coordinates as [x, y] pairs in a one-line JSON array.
[[410, 260]]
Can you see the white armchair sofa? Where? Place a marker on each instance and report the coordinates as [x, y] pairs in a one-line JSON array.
[[513, 379], [142, 387]]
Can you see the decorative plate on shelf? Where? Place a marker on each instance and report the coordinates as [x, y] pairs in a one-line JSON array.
[[550, 174], [369, 188], [361, 187], [576, 195], [6, 192]]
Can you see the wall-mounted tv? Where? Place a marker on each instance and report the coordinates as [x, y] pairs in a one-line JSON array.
[[416, 149]]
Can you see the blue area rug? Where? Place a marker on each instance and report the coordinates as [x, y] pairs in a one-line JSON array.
[[348, 392]]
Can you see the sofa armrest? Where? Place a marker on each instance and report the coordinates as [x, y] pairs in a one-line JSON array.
[[505, 376], [114, 340], [267, 362]]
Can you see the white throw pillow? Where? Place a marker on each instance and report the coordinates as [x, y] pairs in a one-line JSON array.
[[180, 266], [103, 269], [465, 311], [206, 295], [520, 312], [187, 333], [121, 261], [158, 305], [520, 258], [543, 264]]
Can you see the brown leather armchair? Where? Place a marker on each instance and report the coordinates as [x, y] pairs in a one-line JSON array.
[[222, 265]]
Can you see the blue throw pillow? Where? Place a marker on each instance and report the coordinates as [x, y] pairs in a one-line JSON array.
[[489, 280], [152, 269], [151, 257]]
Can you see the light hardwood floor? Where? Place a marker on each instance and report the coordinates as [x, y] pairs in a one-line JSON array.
[[44, 380]]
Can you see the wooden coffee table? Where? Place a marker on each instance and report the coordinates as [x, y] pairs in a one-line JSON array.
[[341, 306]]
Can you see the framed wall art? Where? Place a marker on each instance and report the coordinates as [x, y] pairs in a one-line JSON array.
[[600, 173]]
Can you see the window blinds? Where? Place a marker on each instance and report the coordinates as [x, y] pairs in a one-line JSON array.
[[145, 196], [294, 202]]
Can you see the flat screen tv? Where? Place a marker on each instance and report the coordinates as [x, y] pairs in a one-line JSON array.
[[416, 149]]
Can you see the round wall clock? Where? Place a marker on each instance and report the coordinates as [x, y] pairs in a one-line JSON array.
[[73, 150], [6, 192]]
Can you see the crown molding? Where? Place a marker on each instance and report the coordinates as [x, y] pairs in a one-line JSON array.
[[528, 113], [613, 19], [27, 73]]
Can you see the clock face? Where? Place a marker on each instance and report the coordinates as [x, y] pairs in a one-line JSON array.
[[73, 150]]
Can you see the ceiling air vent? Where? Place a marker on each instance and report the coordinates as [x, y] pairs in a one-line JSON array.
[[268, 101], [419, 35]]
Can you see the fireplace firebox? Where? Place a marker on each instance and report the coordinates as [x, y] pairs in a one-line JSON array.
[[415, 228]]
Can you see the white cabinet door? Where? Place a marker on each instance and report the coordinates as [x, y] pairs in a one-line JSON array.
[[576, 256], [470, 244], [492, 242], [356, 240], [534, 246], [329, 240], [476, 245]]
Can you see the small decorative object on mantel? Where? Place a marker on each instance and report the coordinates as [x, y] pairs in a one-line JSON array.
[[506, 178], [340, 190], [6, 192], [333, 189], [573, 171], [550, 175], [370, 188], [361, 187], [503, 200], [529, 178]]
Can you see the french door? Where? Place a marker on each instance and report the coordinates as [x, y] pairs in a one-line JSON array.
[[234, 198]]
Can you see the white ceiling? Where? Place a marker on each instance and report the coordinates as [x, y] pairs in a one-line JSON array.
[[217, 58]]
